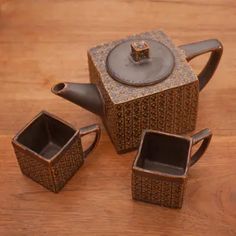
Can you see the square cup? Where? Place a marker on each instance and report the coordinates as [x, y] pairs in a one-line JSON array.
[[49, 150], [160, 169]]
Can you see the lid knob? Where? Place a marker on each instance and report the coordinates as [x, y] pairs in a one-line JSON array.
[[139, 50]]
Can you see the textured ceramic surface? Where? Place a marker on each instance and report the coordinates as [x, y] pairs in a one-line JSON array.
[[160, 169], [120, 93], [52, 176], [164, 191], [169, 106], [46, 156], [164, 95]]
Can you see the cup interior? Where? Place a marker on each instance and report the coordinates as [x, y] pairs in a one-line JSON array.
[[164, 153], [46, 135]]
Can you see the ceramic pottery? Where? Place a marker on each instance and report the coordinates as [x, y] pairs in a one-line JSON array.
[[49, 150], [142, 82], [161, 166]]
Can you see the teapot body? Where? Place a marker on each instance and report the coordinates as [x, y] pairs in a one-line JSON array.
[[169, 106], [151, 86]]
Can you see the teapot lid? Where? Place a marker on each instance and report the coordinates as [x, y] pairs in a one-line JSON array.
[[140, 63]]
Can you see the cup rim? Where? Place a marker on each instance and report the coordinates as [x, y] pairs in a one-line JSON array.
[[25, 148], [155, 172]]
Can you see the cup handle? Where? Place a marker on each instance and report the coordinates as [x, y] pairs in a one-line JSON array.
[[87, 130], [205, 136], [198, 48]]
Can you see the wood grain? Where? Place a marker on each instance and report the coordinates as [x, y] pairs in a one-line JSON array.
[[44, 42]]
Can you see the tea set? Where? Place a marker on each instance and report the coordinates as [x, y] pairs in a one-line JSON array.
[[146, 94]]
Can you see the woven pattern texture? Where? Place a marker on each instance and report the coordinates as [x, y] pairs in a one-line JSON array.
[[169, 106], [54, 175], [163, 191]]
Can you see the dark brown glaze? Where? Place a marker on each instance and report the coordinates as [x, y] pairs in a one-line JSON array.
[[49, 150], [45, 135], [161, 166], [84, 95], [95, 128], [170, 105], [196, 49], [147, 71], [204, 136]]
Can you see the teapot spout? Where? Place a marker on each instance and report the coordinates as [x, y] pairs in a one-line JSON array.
[[85, 95]]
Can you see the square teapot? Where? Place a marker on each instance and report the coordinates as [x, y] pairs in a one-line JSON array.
[[143, 82]]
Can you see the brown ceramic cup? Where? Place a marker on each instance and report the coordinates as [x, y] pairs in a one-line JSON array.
[[161, 166], [49, 150]]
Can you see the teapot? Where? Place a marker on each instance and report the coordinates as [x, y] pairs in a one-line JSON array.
[[142, 82]]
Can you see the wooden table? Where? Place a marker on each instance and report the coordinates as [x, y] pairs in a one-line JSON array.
[[45, 42]]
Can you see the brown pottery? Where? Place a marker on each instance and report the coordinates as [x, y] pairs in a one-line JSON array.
[[49, 150], [142, 82], [161, 166]]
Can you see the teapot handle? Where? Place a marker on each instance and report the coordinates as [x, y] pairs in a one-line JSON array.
[[198, 48]]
